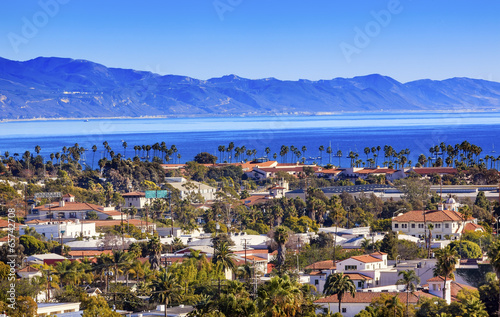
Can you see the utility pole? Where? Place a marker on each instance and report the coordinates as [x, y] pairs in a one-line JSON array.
[[246, 249]]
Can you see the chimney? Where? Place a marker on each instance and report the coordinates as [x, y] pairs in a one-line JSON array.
[[61, 203]]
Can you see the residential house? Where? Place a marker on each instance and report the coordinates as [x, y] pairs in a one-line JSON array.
[[187, 188], [319, 272], [447, 224], [365, 270], [135, 199], [353, 305], [53, 229], [67, 208], [29, 272]]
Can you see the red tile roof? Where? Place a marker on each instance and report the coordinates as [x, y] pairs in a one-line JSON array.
[[357, 276], [366, 258], [434, 170], [473, 227], [70, 206], [438, 279], [367, 297], [457, 287], [5, 223], [88, 253], [329, 171], [134, 194], [321, 265], [29, 269], [376, 171], [430, 216], [254, 199]]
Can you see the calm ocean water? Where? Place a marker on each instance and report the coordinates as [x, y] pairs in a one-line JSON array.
[[345, 132]]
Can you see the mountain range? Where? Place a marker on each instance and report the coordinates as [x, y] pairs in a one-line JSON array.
[[50, 87]]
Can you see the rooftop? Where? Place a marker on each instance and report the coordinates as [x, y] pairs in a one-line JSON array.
[[430, 216]]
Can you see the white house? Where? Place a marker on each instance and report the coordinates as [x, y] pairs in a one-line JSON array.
[[319, 273], [67, 208], [49, 309], [29, 272], [135, 199], [69, 229], [447, 224], [365, 269], [188, 188], [353, 305]]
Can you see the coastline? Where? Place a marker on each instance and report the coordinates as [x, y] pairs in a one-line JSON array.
[[248, 115]]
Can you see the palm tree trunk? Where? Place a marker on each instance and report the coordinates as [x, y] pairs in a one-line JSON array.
[[407, 300], [340, 306], [166, 303]]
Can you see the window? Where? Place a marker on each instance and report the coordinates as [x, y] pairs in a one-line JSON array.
[[396, 225], [360, 284], [72, 214], [420, 225], [344, 310], [438, 226], [447, 225], [413, 226], [316, 282], [438, 236], [404, 225], [351, 267]]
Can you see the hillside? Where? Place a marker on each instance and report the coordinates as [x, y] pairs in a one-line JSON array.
[[63, 88]]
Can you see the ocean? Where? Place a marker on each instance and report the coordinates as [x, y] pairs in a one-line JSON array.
[[416, 131]]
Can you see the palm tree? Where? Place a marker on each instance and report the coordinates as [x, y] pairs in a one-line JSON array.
[[409, 279], [124, 144], [166, 289], [321, 149], [281, 297], [154, 247], [394, 304], [339, 284], [94, 149], [430, 227], [447, 258], [339, 155], [267, 151], [224, 258], [281, 236], [120, 260]]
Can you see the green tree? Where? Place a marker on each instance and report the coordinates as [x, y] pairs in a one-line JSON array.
[[467, 249], [281, 236], [97, 306], [166, 289], [409, 279], [390, 245], [339, 284], [205, 158], [446, 260], [224, 259]]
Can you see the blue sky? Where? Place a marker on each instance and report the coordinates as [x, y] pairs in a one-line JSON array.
[[288, 40]]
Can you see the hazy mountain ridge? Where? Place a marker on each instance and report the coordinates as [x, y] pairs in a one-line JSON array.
[[63, 87]]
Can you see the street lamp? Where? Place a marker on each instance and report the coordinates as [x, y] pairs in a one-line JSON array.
[[394, 213], [398, 256]]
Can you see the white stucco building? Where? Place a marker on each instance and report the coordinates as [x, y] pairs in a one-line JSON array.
[[69, 229], [447, 222]]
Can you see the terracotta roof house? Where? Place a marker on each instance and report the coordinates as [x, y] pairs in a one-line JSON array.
[[353, 305], [71, 210], [446, 223]]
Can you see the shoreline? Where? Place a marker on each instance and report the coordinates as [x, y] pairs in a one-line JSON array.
[[295, 114]]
